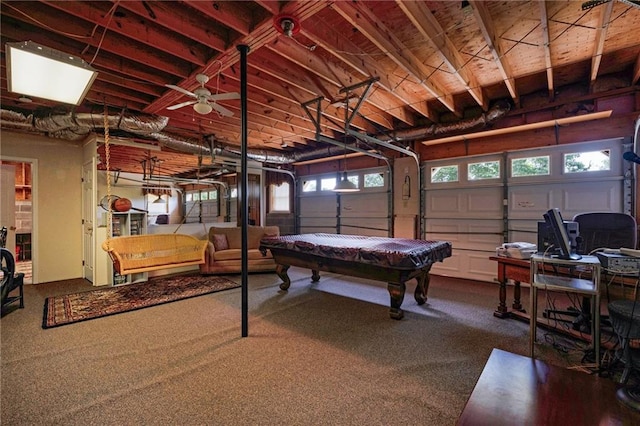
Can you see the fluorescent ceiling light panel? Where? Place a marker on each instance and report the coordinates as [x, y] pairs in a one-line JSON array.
[[42, 72]]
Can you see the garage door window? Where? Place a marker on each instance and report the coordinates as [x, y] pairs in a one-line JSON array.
[[594, 161], [530, 166], [444, 174]]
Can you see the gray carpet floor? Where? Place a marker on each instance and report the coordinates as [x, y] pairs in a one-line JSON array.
[[323, 353]]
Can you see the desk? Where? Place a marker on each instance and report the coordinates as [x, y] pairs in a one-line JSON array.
[[517, 390], [394, 260], [516, 270]]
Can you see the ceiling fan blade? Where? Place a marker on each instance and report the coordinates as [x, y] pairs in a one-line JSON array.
[[181, 90], [221, 110], [224, 96], [176, 106]]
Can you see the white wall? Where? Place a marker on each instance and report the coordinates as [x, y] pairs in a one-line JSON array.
[[58, 244]]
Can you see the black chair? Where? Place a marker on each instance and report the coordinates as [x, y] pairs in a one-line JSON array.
[[11, 281], [605, 230], [597, 230]]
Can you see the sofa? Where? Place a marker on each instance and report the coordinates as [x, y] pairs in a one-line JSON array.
[[223, 254]]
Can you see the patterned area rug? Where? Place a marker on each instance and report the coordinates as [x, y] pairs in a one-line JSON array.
[[76, 307]]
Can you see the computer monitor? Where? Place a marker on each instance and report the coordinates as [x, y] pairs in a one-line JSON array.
[[555, 222]]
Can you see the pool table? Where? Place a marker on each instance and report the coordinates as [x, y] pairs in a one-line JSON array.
[[394, 260]]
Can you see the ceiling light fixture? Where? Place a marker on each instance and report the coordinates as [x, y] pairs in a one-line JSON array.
[[38, 71], [202, 108], [287, 25]]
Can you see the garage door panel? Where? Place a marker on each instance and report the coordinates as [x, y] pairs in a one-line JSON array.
[[597, 196], [346, 229], [376, 204], [318, 206], [465, 203], [443, 203], [481, 268], [484, 202], [531, 201], [477, 235], [381, 224]]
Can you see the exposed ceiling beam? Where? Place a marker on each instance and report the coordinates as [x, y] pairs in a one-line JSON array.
[[544, 21], [601, 35], [360, 16], [348, 52], [261, 35], [485, 22], [427, 24]]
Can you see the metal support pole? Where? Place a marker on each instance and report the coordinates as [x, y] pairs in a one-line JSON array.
[[243, 186]]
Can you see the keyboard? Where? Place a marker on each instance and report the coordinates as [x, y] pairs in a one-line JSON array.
[[630, 252]]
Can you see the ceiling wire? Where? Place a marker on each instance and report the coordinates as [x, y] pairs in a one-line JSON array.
[[104, 33]]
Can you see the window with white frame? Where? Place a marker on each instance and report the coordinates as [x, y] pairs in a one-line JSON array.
[[309, 185], [531, 166], [373, 180], [593, 161], [280, 199], [483, 170], [443, 174]]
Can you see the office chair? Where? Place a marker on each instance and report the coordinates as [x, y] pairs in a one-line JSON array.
[[598, 230], [10, 281]]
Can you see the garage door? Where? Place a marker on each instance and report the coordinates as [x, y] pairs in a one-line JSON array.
[[480, 202], [365, 212]]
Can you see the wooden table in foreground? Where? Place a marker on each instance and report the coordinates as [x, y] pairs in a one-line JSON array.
[[394, 260], [517, 390]]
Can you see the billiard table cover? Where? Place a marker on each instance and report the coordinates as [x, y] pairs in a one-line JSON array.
[[398, 253]]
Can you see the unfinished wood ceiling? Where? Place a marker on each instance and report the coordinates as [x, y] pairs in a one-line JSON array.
[[412, 64]]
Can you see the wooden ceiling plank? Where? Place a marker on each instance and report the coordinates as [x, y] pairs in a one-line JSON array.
[[427, 24], [601, 35], [180, 20], [132, 27], [262, 34], [135, 33], [230, 14], [115, 44], [636, 71], [546, 46], [361, 17], [347, 52], [485, 22], [331, 74]]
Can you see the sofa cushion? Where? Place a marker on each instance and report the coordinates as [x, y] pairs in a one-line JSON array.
[[219, 241], [236, 254]]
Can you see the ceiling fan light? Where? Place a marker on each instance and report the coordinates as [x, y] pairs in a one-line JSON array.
[[202, 108], [42, 72]]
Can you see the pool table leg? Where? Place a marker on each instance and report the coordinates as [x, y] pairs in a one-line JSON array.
[[396, 291], [281, 270], [422, 288]]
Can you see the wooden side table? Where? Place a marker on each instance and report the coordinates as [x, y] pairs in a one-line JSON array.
[[516, 270]]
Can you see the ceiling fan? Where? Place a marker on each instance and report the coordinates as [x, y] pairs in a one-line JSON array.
[[204, 102]]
